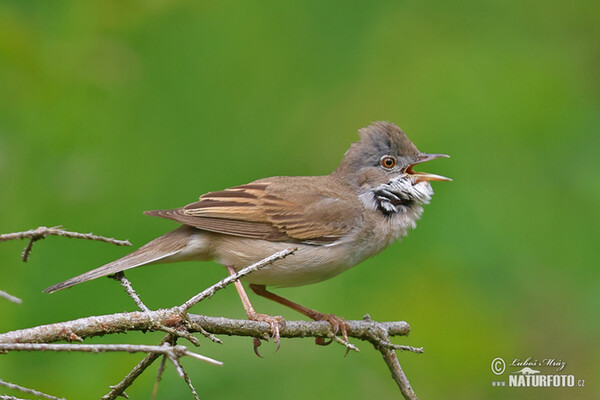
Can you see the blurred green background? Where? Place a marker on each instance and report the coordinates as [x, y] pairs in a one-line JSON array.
[[109, 108]]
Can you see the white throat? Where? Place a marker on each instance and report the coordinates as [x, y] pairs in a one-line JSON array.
[[400, 200]]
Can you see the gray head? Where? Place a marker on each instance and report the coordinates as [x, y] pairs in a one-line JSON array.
[[381, 165]]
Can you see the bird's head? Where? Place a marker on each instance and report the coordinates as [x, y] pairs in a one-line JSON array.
[[381, 165]]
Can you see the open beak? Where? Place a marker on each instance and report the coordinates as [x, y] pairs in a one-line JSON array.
[[424, 176]]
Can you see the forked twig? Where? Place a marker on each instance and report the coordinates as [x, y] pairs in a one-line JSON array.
[[42, 232]]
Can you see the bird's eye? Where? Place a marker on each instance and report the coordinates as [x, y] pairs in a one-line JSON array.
[[388, 162]]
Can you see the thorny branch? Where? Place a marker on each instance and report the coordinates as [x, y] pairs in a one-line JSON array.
[[377, 333], [76, 330], [177, 322]]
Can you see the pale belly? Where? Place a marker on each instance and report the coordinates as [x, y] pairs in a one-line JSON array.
[[309, 264]]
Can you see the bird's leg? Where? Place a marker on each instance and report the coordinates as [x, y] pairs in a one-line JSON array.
[[338, 323], [273, 321]]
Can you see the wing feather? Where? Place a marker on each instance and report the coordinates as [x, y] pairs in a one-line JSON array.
[[269, 210]]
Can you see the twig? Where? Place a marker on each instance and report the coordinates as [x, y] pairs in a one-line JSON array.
[[349, 346], [27, 390], [398, 375], [27, 250], [170, 351], [161, 369], [10, 297], [402, 347], [40, 233], [181, 331], [210, 336], [207, 293], [380, 339], [120, 277], [184, 375], [119, 389]]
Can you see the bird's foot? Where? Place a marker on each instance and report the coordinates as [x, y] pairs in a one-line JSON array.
[[274, 321], [338, 324]]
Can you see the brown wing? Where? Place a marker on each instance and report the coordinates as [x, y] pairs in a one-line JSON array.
[[270, 210]]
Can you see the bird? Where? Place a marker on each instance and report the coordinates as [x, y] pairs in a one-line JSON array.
[[335, 221]]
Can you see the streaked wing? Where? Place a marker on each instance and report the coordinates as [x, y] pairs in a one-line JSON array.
[[268, 210]]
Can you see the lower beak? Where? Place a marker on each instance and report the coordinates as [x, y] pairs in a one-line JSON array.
[[424, 176]]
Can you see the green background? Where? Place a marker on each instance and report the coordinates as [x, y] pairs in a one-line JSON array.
[[109, 108]]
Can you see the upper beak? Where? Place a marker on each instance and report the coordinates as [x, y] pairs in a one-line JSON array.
[[424, 176]]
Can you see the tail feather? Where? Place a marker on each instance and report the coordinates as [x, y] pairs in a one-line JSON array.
[[154, 251]]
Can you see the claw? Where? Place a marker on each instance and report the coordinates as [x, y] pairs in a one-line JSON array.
[[336, 327], [257, 344], [281, 321], [274, 322], [319, 341], [338, 324], [275, 336], [277, 344]]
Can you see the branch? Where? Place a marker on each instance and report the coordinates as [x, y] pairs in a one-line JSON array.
[[177, 322], [377, 333], [42, 232], [171, 318]]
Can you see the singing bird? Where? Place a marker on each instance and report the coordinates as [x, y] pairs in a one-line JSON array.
[[336, 221]]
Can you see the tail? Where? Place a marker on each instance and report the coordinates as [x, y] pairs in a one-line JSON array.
[[158, 249]]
